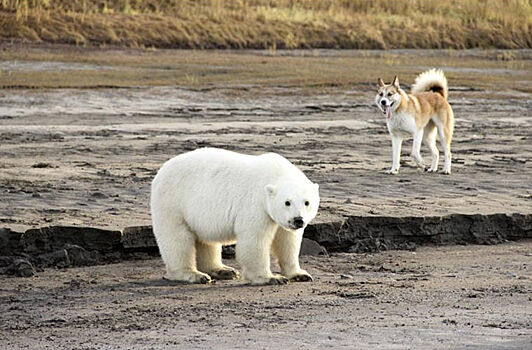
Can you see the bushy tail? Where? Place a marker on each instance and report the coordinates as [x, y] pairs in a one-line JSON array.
[[432, 80]]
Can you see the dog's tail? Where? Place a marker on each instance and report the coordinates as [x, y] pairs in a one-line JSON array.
[[432, 80]]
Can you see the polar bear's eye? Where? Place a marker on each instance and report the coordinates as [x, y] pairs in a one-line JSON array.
[[287, 203], [306, 203]]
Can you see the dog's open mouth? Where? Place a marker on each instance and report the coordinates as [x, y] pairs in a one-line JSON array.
[[388, 110]]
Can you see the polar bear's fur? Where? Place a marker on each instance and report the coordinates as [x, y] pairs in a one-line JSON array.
[[203, 199]]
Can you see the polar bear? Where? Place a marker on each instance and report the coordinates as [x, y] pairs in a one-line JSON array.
[[210, 197]]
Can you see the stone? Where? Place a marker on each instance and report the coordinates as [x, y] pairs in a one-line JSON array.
[[310, 247], [9, 242], [138, 237], [22, 268], [48, 239]]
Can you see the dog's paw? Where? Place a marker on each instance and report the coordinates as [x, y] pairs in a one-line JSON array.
[[431, 170], [392, 171], [446, 172]]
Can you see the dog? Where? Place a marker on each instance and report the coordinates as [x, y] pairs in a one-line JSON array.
[[419, 114]]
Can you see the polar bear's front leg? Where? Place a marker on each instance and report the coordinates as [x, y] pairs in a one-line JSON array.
[[286, 246], [253, 254]]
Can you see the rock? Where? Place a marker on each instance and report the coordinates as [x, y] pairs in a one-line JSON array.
[[6, 261], [22, 268], [58, 258], [78, 256], [370, 245], [138, 237], [9, 242], [70, 255], [49, 239], [310, 247]]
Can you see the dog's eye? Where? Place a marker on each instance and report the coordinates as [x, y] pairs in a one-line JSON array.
[[307, 203], [380, 93], [287, 203], [389, 94]]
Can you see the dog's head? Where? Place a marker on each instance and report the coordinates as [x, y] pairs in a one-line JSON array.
[[388, 97]]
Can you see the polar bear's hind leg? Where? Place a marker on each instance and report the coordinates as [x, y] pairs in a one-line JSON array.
[[209, 260], [177, 247]]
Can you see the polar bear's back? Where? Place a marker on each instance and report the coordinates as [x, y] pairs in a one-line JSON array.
[[213, 186], [218, 167]]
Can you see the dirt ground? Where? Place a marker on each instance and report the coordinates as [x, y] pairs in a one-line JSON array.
[[83, 132], [452, 297], [86, 155]]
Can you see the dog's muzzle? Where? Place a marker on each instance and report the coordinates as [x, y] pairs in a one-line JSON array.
[[387, 108]]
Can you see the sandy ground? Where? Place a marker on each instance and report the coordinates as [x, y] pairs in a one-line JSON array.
[[453, 297], [85, 156]]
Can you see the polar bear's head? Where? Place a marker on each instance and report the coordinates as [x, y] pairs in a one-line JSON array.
[[292, 205]]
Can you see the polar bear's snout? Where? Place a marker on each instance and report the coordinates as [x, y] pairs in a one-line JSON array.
[[298, 222]]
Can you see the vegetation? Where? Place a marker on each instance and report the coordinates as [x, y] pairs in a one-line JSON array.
[[271, 24]]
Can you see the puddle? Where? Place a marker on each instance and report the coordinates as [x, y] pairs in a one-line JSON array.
[[40, 66]]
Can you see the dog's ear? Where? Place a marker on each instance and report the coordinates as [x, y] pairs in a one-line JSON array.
[[395, 82], [380, 83]]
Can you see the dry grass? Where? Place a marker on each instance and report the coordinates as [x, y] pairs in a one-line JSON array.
[[272, 24]]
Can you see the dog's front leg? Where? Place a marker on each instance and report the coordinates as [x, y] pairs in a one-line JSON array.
[[396, 154]]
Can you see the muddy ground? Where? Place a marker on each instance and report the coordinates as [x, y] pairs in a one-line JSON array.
[[83, 132], [452, 297]]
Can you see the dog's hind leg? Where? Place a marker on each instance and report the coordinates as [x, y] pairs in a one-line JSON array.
[[416, 147], [446, 134], [429, 139]]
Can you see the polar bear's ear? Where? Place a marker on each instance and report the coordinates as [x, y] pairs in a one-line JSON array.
[[270, 189]]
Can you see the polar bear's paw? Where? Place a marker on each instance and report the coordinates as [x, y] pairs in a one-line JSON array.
[[189, 277], [226, 273], [270, 280], [301, 277], [277, 279]]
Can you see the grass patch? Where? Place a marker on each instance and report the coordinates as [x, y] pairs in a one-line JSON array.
[[273, 24]]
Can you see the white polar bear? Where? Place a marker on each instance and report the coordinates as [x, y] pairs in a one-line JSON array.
[[209, 197]]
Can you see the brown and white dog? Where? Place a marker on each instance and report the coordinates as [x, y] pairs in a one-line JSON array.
[[419, 114]]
